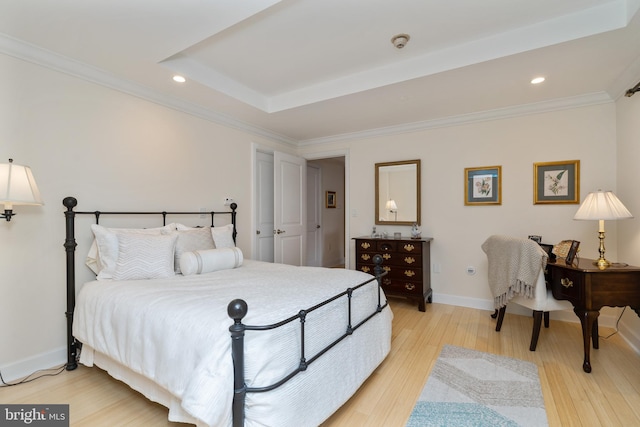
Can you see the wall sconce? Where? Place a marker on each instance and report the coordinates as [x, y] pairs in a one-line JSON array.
[[17, 187], [601, 205], [392, 207]]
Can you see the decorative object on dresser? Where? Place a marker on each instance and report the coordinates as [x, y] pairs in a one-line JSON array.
[[406, 262]]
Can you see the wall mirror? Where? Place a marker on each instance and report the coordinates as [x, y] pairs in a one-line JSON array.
[[398, 193]]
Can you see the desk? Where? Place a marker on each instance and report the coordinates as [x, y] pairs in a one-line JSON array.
[[589, 289]]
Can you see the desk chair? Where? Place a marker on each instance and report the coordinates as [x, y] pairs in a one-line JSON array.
[[516, 265]]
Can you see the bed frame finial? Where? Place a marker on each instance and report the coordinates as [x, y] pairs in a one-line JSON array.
[[237, 309], [70, 202]]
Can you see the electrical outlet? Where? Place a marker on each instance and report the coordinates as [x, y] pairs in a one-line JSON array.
[[228, 201]]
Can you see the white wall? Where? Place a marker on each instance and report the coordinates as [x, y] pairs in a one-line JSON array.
[[111, 151], [628, 117], [587, 134]]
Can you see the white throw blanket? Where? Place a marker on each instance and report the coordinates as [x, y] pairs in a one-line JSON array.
[[514, 266]]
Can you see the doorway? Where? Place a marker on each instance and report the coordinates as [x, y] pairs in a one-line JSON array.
[[331, 213], [325, 226]]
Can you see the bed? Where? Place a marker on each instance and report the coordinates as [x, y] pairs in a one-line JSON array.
[[253, 343]]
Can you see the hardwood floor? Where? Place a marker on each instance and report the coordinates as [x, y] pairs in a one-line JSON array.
[[609, 396]]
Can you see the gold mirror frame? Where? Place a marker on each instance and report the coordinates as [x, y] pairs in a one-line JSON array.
[[403, 193]]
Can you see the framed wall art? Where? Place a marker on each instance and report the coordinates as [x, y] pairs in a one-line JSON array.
[[331, 199], [483, 186], [556, 182]]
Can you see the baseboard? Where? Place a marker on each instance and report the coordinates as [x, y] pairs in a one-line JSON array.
[[336, 262], [22, 368], [605, 320], [630, 336]]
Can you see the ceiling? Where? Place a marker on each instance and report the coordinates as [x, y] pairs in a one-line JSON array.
[[309, 71]]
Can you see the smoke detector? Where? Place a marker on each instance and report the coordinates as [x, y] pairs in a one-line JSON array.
[[400, 40]]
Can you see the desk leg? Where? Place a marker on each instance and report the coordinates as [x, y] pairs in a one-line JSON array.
[[587, 319]]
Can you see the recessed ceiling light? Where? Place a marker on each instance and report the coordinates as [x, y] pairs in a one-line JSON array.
[[179, 79], [537, 80]]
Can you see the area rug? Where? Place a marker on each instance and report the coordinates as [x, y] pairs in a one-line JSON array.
[[473, 388]]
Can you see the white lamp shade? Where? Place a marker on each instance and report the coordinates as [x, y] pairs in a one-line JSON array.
[[17, 186], [391, 205], [602, 205]]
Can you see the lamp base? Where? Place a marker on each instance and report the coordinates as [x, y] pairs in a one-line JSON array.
[[602, 263]]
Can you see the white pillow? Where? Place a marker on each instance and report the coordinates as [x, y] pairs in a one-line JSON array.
[[180, 227], [92, 260], [206, 261], [192, 239], [223, 236], [107, 243], [142, 256]]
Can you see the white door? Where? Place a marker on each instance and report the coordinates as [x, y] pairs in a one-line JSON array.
[[264, 207], [314, 218], [290, 185]]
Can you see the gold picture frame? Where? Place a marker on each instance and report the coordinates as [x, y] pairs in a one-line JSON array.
[[330, 200], [556, 182], [483, 186]]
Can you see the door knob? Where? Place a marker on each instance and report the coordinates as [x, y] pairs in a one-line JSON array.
[[278, 231]]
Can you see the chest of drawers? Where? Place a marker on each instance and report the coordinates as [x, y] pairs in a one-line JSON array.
[[407, 262]]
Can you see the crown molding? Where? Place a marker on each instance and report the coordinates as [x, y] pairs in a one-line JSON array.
[[34, 54], [28, 52], [481, 116]]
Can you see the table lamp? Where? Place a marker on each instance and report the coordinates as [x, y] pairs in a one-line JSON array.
[[392, 207], [602, 205], [17, 187]]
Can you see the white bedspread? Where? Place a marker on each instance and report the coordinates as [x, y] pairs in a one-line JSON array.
[[175, 332]]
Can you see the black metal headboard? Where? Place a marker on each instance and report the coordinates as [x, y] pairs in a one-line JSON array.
[[70, 246]]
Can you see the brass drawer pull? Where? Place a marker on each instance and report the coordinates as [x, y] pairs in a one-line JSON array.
[[409, 273], [365, 269], [365, 245], [567, 283], [409, 247], [409, 286], [409, 260], [365, 257], [386, 268], [386, 256], [386, 281]]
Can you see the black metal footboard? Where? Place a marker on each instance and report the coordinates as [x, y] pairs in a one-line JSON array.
[[237, 310]]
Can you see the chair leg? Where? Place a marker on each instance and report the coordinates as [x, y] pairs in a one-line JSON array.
[[500, 317], [546, 319], [537, 322]]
